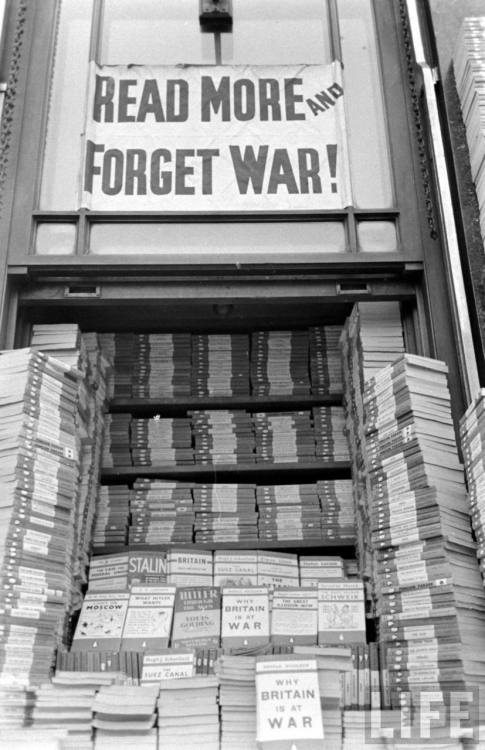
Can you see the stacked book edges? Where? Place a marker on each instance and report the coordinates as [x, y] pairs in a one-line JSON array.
[[48, 473], [166, 512], [429, 594], [207, 436], [469, 67], [372, 338], [472, 444], [263, 363]]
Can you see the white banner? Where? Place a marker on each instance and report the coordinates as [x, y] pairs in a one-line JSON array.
[[191, 138]]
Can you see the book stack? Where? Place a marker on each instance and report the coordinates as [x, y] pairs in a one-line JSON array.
[[237, 700], [289, 511], [125, 716], [39, 478], [161, 366], [279, 363], [161, 512], [284, 437], [222, 436], [161, 441], [472, 434], [469, 66], [427, 571], [370, 326], [337, 504], [96, 668], [278, 569], [120, 350], [325, 359], [94, 384], [220, 364], [188, 714], [330, 439], [116, 443], [111, 519], [66, 706], [225, 512], [62, 341]]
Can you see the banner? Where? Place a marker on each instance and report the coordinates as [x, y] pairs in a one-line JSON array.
[[190, 138]]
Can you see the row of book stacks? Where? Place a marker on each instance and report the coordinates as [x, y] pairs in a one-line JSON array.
[[263, 363], [469, 69], [125, 624]]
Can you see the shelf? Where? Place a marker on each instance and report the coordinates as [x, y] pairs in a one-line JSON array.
[[260, 472], [173, 406], [331, 546]]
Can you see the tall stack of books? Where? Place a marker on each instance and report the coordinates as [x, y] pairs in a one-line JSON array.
[[120, 351], [161, 441], [188, 714], [161, 365], [325, 359], [289, 511], [161, 512], [62, 341], [69, 707], [116, 443], [222, 436], [372, 338], [39, 475], [225, 512], [237, 700], [279, 363], [472, 434], [125, 716], [220, 364], [330, 439], [112, 516], [430, 596], [469, 65], [284, 437], [338, 515]]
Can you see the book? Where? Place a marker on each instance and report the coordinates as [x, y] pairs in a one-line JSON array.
[[294, 616], [341, 612], [148, 620], [197, 617], [245, 617], [101, 620]]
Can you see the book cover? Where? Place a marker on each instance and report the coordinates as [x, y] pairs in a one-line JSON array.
[[288, 709], [197, 617], [148, 619], [341, 612], [101, 621], [245, 617], [294, 617]]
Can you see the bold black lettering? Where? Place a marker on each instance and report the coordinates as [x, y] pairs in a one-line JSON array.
[[207, 154], [215, 98], [336, 90], [282, 173], [90, 169], [103, 99], [249, 167], [309, 167], [182, 170], [291, 99], [177, 100], [112, 172], [150, 102], [269, 98], [160, 182], [325, 99], [136, 164], [124, 100], [315, 108], [244, 99]]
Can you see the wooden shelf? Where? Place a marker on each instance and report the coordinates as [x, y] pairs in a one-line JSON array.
[[331, 546], [273, 473], [174, 406]]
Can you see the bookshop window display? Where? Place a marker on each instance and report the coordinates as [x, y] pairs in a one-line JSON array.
[[118, 175]]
